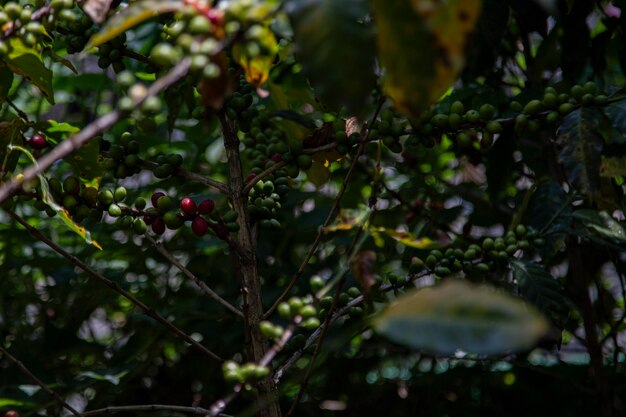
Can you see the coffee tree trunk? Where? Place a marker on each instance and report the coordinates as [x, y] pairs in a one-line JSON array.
[[244, 253]]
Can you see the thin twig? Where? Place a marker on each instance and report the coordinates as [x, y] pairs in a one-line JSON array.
[[39, 382], [151, 407], [210, 182], [262, 175], [331, 215], [147, 310], [93, 129], [203, 286]]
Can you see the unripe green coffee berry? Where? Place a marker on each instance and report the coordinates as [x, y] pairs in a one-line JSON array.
[[566, 108], [355, 311], [311, 323], [520, 230], [440, 120], [457, 107], [353, 292], [487, 111], [308, 311], [493, 127], [442, 271], [533, 107], [472, 116], [165, 203], [295, 303], [316, 283], [488, 244], [267, 329], [105, 197], [577, 92], [139, 226], [71, 185], [550, 100], [115, 210], [120, 194], [431, 261], [284, 310], [482, 267], [326, 302]]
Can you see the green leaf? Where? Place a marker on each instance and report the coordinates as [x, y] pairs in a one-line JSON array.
[[105, 376], [539, 287], [549, 208], [421, 47], [131, 16], [616, 113], [6, 79], [10, 402], [457, 315], [582, 144], [601, 225], [27, 62], [88, 163], [10, 135], [335, 45]]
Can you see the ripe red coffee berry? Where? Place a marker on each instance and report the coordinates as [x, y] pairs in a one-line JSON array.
[[155, 197], [188, 206], [38, 142], [199, 226], [250, 176], [158, 226], [277, 158], [12, 413], [206, 206]]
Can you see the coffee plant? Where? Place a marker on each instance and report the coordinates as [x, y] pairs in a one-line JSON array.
[[312, 207]]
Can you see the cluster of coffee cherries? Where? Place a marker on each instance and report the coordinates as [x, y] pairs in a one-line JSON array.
[[553, 105], [235, 373], [31, 31], [80, 200], [122, 157], [144, 115], [76, 32], [492, 255], [191, 34], [112, 54], [264, 201], [390, 129]]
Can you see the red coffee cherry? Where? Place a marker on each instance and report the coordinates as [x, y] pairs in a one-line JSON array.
[[206, 206], [188, 206], [199, 226]]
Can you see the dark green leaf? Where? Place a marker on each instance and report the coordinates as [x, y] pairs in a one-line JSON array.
[[6, 79], [335, 45], [27, 62], [582, 143], [539, 287]]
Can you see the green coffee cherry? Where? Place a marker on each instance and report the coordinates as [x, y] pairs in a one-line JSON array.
[[120, 194]]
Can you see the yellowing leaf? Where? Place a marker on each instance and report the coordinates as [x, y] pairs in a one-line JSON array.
[[408, 239], [131, 16], [457, 315], [64, 215], [257, 65], [421, 47]]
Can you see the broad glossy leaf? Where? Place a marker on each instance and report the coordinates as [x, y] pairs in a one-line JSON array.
[[457, 315], [6, 79], [26, 61], [582, 143], [335, 45], [10, 135], [421, 45], [601, 225], [616, 113], [539, 287], [131, 16]]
